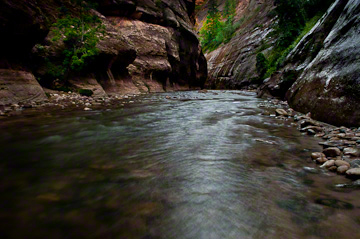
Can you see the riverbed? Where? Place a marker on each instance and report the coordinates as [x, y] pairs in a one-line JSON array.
[[185, 165]]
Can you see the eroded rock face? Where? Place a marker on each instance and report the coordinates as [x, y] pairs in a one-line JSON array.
[[149, 46], [321, 74], [19, 86], [329, 86]]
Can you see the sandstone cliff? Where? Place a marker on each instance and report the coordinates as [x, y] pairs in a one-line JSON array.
[[232, 65], [321, 74], [149, 46]]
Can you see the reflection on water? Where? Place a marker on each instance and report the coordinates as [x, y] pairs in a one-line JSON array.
[[193, 166]]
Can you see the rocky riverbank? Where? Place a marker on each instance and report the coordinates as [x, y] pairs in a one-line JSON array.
[[58, 100], [341, 145]]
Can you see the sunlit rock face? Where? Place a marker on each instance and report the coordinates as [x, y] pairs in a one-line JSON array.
[[150, 46], [329, 85], [168, 54], [232, 65], [19, 86]]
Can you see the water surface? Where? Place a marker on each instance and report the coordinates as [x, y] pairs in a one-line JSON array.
[[192, 166]]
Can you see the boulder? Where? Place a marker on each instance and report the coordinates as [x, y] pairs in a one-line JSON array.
[[19, 86], [332, 152]]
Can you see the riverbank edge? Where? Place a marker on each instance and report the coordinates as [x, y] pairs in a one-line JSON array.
[[341, 145]]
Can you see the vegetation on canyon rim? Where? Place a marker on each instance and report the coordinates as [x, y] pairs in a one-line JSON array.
[[295, 18], [218, 27]]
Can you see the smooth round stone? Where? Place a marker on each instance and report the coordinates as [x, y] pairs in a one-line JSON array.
[[332, 152], [341, 163], [342, 169], [328, 164], [353, 172]]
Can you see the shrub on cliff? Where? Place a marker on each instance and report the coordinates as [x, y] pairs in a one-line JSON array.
[[215, 30], [79, 34], [291, 20]]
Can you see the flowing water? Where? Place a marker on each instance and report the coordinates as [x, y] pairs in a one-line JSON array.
[[174, 165]]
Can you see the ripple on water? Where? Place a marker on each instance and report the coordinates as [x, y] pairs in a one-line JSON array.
[[192, 166]]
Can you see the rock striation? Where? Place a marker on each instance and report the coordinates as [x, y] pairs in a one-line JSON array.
[[232, 65], [321, 74], [149, 46]]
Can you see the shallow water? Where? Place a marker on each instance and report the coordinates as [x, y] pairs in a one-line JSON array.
[[204, 166]]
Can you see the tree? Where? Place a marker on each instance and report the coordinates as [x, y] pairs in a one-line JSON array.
[[80, 35], [291, 20], [211, 26]]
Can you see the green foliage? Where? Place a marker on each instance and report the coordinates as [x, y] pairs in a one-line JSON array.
[[80, 35], [215, 31], [261, 65], [86, 92], [291, 20], [277, 57]]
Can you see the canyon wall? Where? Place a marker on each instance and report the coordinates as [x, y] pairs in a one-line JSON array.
[[149, 46], [232, 65], [321, 75]]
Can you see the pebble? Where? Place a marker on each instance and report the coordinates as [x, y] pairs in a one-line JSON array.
[[355, 163], [316, 155], [87, 109], [342, 169], [281, 112], [342, 163], [352, 152], [328, 164], [311, 132], [321, 160], [353, 172]]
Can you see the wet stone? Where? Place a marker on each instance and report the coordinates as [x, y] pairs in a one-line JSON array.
[[281, 112], [328, 164], [311, 132], [342, 163], [311, 170], [331, 144], [342, 169], [316, 155], [333, 168], [353, 172], [321, 160], [355, 163], [352, 152], [332, 152]]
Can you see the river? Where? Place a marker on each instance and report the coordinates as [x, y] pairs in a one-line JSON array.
[[182, 165]]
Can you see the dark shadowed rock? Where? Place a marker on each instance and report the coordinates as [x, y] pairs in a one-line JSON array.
[[328, 87], [332, 152]]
